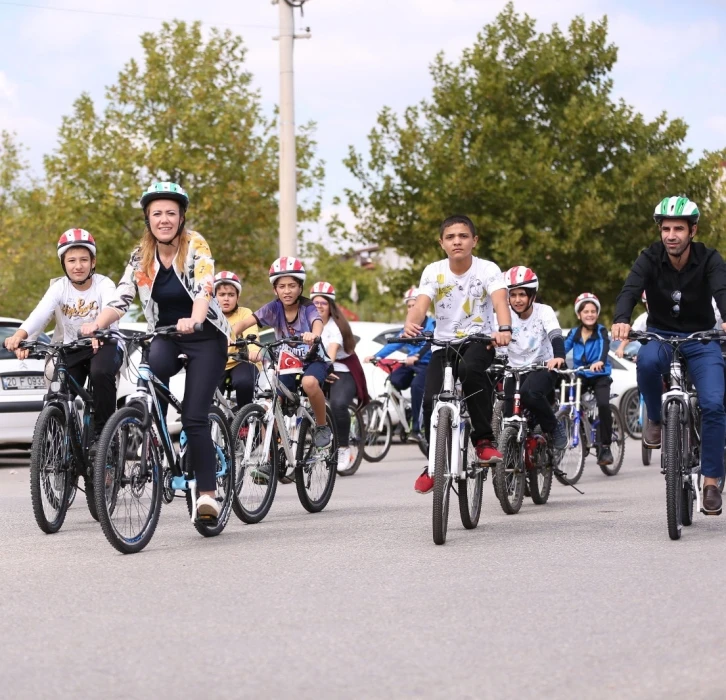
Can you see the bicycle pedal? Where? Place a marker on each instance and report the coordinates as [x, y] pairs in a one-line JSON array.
[[210, 520], [711, 512]]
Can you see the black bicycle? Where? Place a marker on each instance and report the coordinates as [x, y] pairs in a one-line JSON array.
[[62, 439], [136, 462]]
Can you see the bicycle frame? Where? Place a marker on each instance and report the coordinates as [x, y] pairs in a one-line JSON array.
[[450, 399], [571, 401], [394, 404], [519, 417]]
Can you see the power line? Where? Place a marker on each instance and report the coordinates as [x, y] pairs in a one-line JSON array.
[[128, 16]]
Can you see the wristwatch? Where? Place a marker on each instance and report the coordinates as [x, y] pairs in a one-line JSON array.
[[505, 329]]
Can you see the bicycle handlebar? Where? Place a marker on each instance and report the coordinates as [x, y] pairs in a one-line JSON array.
[[699, 336], [429, 338]]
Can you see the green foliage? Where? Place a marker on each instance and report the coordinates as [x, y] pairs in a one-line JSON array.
[[522, 135]]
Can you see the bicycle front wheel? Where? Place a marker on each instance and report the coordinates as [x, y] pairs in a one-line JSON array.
[[50, 470], [617, 444], [378, 432], [509, 474], [539, 479], [356, 441], [572, 458], [442, 476], [256, 481], [630, 409], [315, 467], [671, 455], [127, 476], [471, 482], [646, 452]]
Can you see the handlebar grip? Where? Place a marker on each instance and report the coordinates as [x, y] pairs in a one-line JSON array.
[[198, 327]]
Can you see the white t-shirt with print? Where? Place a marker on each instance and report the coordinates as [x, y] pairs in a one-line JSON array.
[[462, 303], [71, 307], [332, 334], [531, 337]]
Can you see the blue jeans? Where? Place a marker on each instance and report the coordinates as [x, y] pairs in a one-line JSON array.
[[706, 369], [414, 377]]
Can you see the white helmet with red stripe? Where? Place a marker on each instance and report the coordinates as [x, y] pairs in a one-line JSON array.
[[226, 277], [410, 295], [583, 299], [521, 277], [75, 238], [323, 289], [287, 267]]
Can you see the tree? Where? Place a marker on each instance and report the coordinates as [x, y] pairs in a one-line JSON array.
[[187, 114], [522, 134]]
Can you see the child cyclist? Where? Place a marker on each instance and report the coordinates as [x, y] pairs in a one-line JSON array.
[[293, 314], [590, 343], [75, 299], [242, 375], [413, 372], [536, 337], [466, 292]]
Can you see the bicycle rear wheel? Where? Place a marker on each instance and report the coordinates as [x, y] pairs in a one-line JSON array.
[[539, 479], [471, 483], [617, 444], [497, 419], [671, 454], [356, 441], [315, 467], [378, 432], [225, 469], [256, 478], [572, 458], [50, 470], [630, 410], [442, 476], [129, 465], [646, 453], [509, 474]]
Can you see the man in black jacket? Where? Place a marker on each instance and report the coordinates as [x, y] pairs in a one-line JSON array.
[[679, 278]]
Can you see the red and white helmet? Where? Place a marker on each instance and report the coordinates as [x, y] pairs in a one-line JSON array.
[[584, 298], [74, 238], [226, 277], [287, 267], [521, 277], [410, 295], [323, 289]]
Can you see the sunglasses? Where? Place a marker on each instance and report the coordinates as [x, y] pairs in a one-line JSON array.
[[676, 310]]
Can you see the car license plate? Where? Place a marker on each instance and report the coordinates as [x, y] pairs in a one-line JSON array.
[[26, 381]]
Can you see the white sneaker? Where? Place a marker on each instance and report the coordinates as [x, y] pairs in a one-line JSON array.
[[344, 458], [207, 507]]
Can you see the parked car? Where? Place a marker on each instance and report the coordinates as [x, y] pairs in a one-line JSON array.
[[22, 387]]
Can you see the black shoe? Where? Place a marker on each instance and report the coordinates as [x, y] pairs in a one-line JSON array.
[[711, 500], [605, 457]]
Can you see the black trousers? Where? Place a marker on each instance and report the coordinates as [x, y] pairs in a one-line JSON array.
[[471, 368], [537, 391], [601, 389], [102, 366], [243, 378], [342, 393], [205, 365]]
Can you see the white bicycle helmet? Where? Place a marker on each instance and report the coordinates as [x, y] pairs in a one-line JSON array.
[[287, 267], [521, 277], [583, 299], [226, 277], [323, 289]]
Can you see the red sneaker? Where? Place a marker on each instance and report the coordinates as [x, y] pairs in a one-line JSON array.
[[487, 453], [424, 483]]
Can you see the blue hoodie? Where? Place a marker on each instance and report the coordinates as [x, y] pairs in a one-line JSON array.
[[587, 353], [411, 349]]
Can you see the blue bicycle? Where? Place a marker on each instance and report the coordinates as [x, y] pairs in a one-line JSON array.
[[578, 412], [137, 464]]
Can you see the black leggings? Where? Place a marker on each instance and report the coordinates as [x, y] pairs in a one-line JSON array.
[[243, 378], [102, 366], [342, 393], [601, 388], [536, 389], [476, 383], [205, 365]]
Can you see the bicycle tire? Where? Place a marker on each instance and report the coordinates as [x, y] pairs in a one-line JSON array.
[[225, 482], [646, 453], [112, 452], [442, 476], [630, 410], [470, 490], [539, 479], [374, 450], [90, 496], [50, 425], [572, 458], [497, 419], [251, 504], [617, 444], [308, 465], [509, 473], [674, 477], [688, 499], [356, 440]]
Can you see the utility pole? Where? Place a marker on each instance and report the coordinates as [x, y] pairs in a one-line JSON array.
[[288, 155]]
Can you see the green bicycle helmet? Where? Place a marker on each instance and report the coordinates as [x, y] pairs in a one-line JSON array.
[[676, 208], [165, 190]]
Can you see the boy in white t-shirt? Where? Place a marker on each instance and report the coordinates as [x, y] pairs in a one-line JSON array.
[[466, 292], [536, 337]]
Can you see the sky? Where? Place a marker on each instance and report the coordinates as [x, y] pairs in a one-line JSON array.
[[363, 54]]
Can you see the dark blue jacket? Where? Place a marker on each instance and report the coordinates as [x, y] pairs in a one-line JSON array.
[[411, 349], [594, 350]]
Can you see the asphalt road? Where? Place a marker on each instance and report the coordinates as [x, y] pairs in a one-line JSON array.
[[585, 597]]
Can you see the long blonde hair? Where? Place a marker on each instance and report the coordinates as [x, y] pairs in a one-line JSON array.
[[149, 245]]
